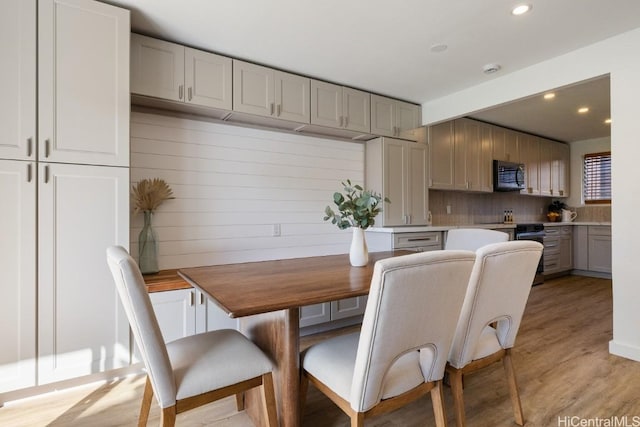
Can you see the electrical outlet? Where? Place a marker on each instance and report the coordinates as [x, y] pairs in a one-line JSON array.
[[448, 209], [276, 230]]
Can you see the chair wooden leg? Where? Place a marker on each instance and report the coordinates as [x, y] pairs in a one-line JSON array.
[[269, 399], [437, 400], [240, 401], [147, 396], [304, 386], [513, 388], [168, 416], [455, 378]]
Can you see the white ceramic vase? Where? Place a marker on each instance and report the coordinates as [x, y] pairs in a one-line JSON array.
[[358, 254]]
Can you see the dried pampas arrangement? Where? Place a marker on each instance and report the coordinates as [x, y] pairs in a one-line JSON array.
[[148, 194]]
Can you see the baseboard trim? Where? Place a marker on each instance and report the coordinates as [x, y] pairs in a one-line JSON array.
[[624, 350]]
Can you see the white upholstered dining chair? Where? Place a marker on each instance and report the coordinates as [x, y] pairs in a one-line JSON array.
[[491, 314], [400, 353], [471, 239], [191, 371]]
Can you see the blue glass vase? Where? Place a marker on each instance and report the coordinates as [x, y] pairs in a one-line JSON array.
[[148, 246]]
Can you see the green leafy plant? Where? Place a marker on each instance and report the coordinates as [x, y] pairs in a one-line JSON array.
[[357, 207]]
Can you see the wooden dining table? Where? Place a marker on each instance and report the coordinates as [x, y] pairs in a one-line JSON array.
[[267, 297]]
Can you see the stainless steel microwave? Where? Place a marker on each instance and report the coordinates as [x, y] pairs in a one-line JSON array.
[[508, 176]]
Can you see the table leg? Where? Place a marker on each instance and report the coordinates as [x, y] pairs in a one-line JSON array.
[[278, 335]]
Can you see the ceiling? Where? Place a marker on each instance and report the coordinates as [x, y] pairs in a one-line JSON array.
[[385, 47]]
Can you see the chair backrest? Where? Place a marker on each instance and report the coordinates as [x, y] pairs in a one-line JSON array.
[[471, 239], [413, 304], [498, 290], [142, 319]]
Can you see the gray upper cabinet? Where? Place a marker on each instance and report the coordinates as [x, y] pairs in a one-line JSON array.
[[237, 91], [340, 107], [207, 79], [391, 117], [171, 71], [506, 144], [441, 156], [157, 68], [267, 92]]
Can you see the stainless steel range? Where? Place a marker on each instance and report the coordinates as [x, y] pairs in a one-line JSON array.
[[533, 232]]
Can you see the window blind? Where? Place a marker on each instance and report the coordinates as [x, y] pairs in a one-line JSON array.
[[597, 178]]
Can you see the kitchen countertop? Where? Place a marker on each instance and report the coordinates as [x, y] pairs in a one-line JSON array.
[[425, 228], [437, 228], [557, 224]]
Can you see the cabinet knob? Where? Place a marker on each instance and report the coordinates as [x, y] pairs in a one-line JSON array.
[[271, 106], [180, 92], [190, 93]]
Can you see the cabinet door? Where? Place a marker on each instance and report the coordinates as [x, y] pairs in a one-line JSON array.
[[417, 184], [383, 116], [83, 77], [599, 252], [505, 144], [157, 68], [18, 79], [460, 156], [545, 167], [486, 160], [348, 307], [394, 175], [176, 313], [441, 148], [216, 318], [207, 79], [581, 247], [560, 173], [356, 106], [253, 89], [17, 275], [315, 314], [565, 258], [530, 157], [326, 104], [82, 328], [292, 97], [408, 119]]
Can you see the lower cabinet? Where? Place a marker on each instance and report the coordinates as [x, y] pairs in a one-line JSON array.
[[330, 311], [558, 249], [185, 312], [593, 248]]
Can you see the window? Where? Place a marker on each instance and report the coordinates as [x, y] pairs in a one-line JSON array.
[[596, 182]]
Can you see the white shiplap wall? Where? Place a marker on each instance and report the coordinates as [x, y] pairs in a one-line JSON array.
[[232, 184]]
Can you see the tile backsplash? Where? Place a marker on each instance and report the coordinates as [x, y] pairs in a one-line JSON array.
[[486, 208], [594, 213]]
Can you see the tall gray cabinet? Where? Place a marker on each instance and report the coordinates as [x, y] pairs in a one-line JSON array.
[[64, 179]]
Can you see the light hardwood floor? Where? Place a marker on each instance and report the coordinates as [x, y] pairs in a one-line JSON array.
[[561, 358]]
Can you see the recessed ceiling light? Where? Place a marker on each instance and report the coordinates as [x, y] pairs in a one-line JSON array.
[[491, 68], [437, 48], [549, 95], [607, 121], [583, 110], [521, 9]]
